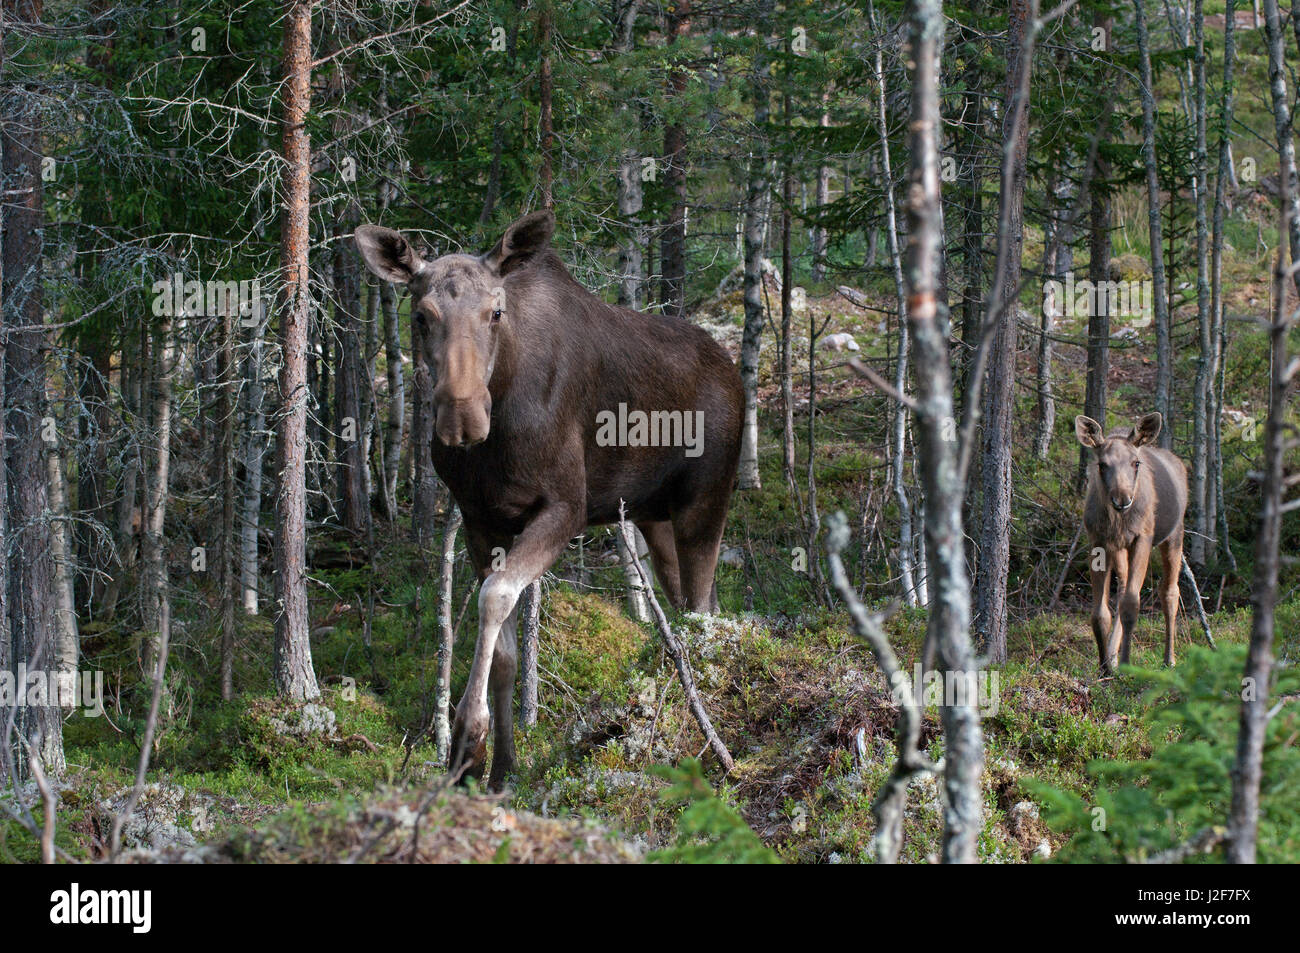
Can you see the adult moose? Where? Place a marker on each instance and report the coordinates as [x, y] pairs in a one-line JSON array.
[[527, 363], [1137, 495]]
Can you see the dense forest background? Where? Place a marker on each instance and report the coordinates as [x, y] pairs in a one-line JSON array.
[[216, 423]]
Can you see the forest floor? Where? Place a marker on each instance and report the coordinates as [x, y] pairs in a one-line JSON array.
[[798, 700]]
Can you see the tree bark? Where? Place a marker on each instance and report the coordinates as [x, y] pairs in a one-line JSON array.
[[1243, 820], [755, 228], [999, 389], [672, 244], [254, 426], [446, 638], [1202, 400], [545, 93], [1282, 121], [630, 196], [1164, 356], [294, 676], [29, 566], [1215, 515], [354, 509], [898, 442], [948, 624]]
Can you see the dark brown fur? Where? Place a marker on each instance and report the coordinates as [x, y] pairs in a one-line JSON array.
[[525, 360], [1137, 495]]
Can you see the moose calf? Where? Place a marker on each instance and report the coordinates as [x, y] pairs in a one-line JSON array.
[[1137, 494]]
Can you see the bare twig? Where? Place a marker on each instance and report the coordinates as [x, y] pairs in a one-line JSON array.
[[892, 798], [679, 659]]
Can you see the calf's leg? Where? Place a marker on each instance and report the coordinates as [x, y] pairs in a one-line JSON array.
[[1101, 619], [1171, 557], [1119, 561], [1130, 602]]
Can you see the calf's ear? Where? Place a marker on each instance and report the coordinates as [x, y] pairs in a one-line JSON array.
[[523, 240], [1146, 431], [1088, 431], [388, 254]]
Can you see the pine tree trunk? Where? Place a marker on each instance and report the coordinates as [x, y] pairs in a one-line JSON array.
[[1164, 356], [672, 243], [999, 389], [294, 676], [545, 87], [350, 420], [30, 569]]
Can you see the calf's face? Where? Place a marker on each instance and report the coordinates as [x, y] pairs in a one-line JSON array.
[[1119, 464], [461, 309]]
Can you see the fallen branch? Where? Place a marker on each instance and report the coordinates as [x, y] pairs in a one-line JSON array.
[[1204, 841], [47, 798], [1200, 606], [679, 659], [891, 800]]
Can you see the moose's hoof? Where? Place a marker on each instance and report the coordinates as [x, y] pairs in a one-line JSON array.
[[468, 750]]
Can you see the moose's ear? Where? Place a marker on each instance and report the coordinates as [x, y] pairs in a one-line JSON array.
[[388, 254], [522, 241], [1146, 431], [1088, 431]]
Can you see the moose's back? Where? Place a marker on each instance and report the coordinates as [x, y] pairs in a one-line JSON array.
[[577, 361]]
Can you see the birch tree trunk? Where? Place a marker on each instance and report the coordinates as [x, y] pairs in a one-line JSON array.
[[1282, 121], [66, 638], [254, 426], [529, 622], [1204, 384], [294, 676], [898, 443], [446, 635], [755, 228], [1243, 820], [1214, 492], [157, 598], [948, 624], [823, 198]]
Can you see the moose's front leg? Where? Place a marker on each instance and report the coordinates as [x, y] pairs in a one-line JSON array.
[[1139, 555], [539, 545]]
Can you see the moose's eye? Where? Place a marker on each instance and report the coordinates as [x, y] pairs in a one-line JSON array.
[[496, 315], [1136, 464]]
